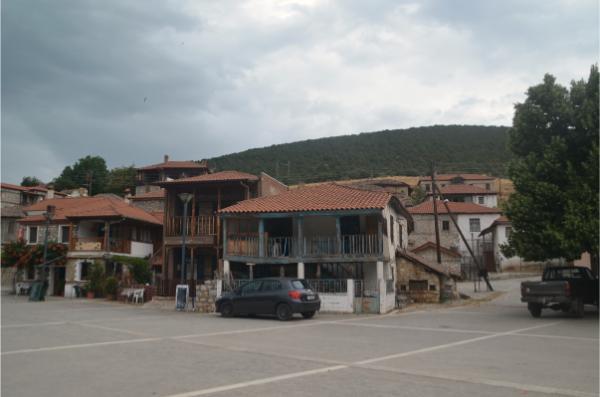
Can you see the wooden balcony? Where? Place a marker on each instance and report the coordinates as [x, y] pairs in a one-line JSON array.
[[199, 230], [97, 244], [310, 247]]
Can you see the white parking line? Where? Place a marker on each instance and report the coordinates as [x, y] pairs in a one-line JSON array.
[[408, 327], [66, 347], [292, 375]]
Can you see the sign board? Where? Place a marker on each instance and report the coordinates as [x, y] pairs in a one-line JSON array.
[[181, 296]]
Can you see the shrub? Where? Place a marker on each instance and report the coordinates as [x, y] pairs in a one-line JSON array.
[[111, 286], [138, 267], [97, 279]]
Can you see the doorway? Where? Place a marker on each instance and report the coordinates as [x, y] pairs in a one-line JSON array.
[[59, 281]]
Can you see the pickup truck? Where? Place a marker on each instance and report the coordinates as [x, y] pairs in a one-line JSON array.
[[562, 288]]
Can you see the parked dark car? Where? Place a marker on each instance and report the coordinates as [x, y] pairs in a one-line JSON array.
[[281, 297], [562, 288]]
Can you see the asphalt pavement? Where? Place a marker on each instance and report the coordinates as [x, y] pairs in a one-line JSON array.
[[78, 347]]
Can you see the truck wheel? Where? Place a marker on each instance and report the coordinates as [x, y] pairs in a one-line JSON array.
[[578, 308], [535, 309]]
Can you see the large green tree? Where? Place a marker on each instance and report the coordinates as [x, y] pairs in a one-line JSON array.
[[554, 210], [121, 178], [87, 171]]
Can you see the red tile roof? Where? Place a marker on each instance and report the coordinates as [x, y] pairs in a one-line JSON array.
[[431, 245], [436, 267], [464, 189], [426, 207], [89, 207], [40, 188], [215, 177], [175, 164], [447, 177], [153, 195], [327, 197]]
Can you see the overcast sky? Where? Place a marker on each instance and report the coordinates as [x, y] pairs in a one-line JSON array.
[[133, 80]]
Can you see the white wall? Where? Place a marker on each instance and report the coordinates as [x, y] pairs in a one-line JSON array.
[[141, 250], [485, 220]]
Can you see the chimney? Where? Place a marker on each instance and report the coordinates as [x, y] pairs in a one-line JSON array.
[[50, 192], [83, 192], [166, 158], [127, 195]]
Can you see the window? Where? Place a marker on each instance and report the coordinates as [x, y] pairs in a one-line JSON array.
[[508, 231], [474, 225], [251, 287], [64, 234], [432, 287], [445, 225], [33, 235], [270, 285], [487, 186], [427, 188], [480, 199], [392, 229]]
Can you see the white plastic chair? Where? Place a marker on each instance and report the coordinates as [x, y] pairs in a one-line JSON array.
[[138, 296]]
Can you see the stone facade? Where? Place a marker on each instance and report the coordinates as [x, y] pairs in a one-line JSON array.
[[10, 198], [157, 205], [424, 231], [418, 283], [451, 262], [206, 295], [270, 186], [41, 232]]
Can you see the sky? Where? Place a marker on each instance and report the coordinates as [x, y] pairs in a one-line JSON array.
[[133, 80]]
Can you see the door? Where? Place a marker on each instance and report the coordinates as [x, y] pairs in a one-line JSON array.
[[269, 296], [59, 281], [247, 301]]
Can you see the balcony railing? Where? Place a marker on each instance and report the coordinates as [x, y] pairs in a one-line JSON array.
[[97, 244], [202, 225], [353, 245]]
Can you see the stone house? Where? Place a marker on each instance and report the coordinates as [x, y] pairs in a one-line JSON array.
[[423, 281], [147, 177], [95, 229], [442, 180], [450, 258]]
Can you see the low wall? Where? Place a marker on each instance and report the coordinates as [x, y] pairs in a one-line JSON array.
[[8, 278]]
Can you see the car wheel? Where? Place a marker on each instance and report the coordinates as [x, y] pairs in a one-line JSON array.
[[227, 309], [283, 312], [308, 314], [578, 308], [535, 309]]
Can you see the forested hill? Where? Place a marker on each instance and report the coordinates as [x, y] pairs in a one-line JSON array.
[[409, 151]]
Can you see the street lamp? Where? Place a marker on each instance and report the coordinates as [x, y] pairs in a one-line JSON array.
[[185, 198], [48, 215]]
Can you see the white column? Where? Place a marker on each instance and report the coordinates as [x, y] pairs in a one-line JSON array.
[[77, 271], [350, 293], [251, 270], [379, 270], [300, 270], [226, 268]]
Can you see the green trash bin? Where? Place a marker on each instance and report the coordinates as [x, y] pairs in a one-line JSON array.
[[36, 292]]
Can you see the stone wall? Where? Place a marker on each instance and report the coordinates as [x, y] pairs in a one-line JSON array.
[[424, 231], [8, 279], [452, 262], [270, 186], [10, 198], [206, 295], [407, 272], [150, 205]]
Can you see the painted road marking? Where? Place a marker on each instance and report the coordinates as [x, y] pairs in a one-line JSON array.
[[292, 375], [66, 347]]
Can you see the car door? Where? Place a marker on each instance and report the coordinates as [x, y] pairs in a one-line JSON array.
[[269, 295], [247, 301]]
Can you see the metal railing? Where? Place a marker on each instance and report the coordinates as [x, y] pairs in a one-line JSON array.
[[329, 286], [202, 225]]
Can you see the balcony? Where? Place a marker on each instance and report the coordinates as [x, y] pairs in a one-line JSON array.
[[310, 247], [97, 244], [200, 229]]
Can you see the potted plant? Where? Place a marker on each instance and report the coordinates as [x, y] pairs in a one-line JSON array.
[[111, 287]]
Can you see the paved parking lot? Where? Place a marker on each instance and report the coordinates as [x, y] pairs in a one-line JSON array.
[[66, 347]]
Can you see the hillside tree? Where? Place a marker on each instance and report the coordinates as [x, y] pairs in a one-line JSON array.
[[31, 181], [87, 171]]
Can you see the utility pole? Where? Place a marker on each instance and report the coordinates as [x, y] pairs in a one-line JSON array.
[[435, 216], [90, 175], [482, 272]]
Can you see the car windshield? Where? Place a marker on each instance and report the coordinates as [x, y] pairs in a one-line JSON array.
[[300, 284]]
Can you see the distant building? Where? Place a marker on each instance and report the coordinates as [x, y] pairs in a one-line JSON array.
[[465, 193], [147, 177], [483, 181]]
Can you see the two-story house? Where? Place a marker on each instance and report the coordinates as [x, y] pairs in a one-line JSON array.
[[329, 231], [201, 227], [95, 229]]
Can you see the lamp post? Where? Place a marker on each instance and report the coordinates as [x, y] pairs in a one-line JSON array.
[[185, 198], [44, 276]]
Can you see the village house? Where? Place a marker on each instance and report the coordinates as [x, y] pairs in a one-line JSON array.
[[13, 199], [400, 189], [200, 198], [483, 181], [329, 234], [148, 177], [95, 229], [465, 193], [471, 219], [450, 258], [152, 201]]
